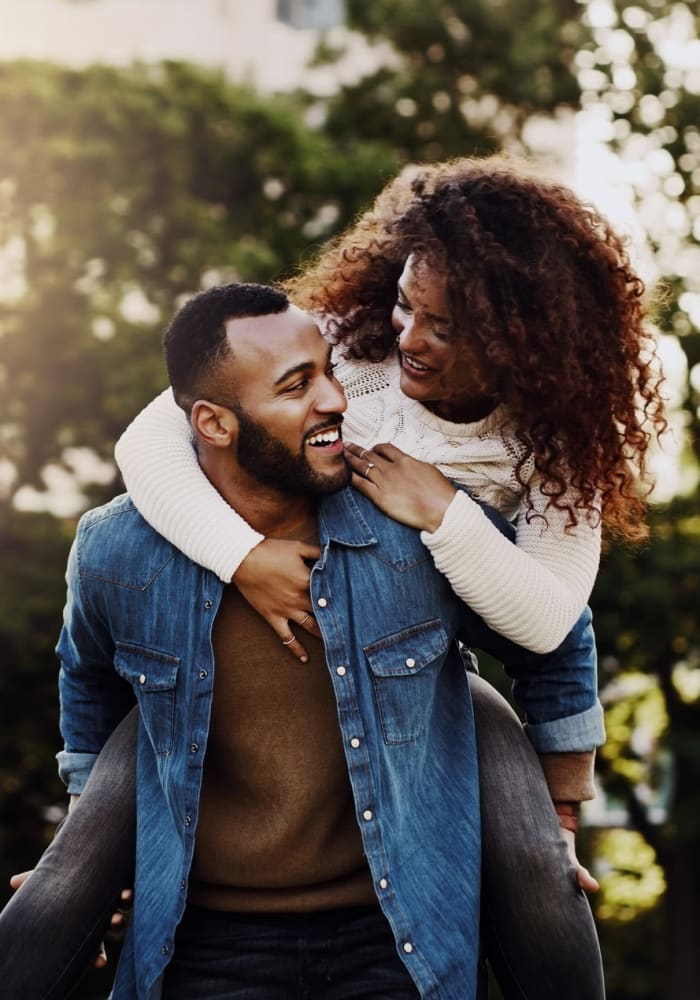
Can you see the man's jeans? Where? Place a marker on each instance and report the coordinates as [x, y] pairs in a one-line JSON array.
[[334, 955], [537, 925]]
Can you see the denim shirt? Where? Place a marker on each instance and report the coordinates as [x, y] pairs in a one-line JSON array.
[[137, 627]]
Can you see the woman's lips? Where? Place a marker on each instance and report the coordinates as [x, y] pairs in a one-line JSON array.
[[414, 367]]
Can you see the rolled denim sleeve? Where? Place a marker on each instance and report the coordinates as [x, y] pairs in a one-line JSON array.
[[74, 769], [580, 732]]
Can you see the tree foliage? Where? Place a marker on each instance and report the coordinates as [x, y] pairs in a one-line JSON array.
[[120, 191]]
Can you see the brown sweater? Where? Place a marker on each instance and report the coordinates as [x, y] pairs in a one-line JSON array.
[[277, 829]]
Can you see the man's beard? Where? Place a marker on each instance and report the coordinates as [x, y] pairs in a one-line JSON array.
[[272, 463]]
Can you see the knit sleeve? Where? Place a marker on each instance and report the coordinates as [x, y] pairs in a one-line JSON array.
[[532, 592], [157, 460]]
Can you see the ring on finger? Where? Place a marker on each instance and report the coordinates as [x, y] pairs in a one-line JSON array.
[[286, 642], [304, 619], [370, 466]]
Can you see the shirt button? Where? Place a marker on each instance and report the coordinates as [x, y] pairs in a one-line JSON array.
[[208, 603], [183, 884], [354, 742], [164, 950], [322, 602], [341, 671], [203, 674], [383, 884], [142, 679], [194, 748], [188, 820], [410, 663], [367, 814], [407, 947]]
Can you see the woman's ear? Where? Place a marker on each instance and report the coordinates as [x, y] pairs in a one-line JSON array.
[[213, 424]]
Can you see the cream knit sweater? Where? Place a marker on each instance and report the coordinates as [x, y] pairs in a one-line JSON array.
[[531, 592]]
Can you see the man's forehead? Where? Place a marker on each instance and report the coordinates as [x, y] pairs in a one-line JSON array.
[[278, 340]]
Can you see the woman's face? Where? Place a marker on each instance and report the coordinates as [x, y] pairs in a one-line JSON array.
[[436, 366]]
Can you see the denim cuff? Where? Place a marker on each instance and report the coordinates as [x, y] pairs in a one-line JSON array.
[[74, 769], [581, 732]]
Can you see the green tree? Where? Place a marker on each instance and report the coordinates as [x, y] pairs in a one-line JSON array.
[[120, 191]]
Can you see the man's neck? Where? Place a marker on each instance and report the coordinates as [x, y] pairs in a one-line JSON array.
[[267, 510]]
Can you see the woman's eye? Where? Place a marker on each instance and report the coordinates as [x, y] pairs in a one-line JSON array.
[[403, 305]]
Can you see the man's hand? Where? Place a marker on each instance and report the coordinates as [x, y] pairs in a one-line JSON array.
[[413, 492], [583, 876], [274, 579]]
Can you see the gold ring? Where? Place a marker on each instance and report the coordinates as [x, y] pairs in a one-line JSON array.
[[364, 452], [304, 620], [288, 641]]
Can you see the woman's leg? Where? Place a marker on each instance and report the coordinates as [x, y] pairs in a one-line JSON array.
[[52, 927], [537, 925]]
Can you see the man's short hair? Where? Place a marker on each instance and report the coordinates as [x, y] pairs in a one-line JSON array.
[[195, 342]]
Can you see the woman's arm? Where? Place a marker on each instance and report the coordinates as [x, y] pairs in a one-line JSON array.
[[159, 464], [531, 592]]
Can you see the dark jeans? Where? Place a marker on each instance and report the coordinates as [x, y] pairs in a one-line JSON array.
[[538, 929], [334, 955]]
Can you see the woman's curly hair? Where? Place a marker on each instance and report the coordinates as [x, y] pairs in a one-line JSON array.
[[543, 290]]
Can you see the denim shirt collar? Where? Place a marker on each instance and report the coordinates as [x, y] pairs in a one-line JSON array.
[[342, 521]]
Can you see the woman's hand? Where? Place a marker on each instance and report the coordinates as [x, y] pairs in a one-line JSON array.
[[413, 492], [274, 579]]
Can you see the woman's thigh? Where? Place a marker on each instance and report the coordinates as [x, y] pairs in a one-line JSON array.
[[538, 928], [52, 927]]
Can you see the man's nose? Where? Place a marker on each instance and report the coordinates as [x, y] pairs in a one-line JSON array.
[[331, 398]]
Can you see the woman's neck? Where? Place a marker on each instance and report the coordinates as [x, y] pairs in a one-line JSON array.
[[461, 412]]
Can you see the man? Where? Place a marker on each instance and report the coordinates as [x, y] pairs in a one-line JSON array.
[[302, 830]]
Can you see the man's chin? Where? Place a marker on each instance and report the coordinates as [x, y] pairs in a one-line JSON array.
[[333, 483]]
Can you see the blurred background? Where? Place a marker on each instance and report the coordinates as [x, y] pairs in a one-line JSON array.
[[149, 148]]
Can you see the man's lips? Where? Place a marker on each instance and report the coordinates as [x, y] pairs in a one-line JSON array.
[[327, 439]]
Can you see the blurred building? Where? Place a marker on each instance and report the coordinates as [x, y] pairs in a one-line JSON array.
[[311, 13], [266, 43]]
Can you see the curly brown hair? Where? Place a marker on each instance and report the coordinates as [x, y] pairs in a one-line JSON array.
[[543, 289]]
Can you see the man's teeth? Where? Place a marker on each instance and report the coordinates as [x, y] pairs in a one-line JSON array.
[[324, 437]]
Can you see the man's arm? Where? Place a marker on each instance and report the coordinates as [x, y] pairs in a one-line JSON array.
[[93, 697], [557, 691]]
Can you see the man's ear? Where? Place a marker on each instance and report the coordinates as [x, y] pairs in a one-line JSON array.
[[214, 425]]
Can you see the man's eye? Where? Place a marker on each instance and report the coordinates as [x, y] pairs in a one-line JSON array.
[[297, 386]]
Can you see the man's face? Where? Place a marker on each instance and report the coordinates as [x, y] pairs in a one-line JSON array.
[[289, 404]]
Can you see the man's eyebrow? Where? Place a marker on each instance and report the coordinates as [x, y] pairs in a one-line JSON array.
[[303, 368]]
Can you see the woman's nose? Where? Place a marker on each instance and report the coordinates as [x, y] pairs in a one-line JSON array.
[[410, 338]]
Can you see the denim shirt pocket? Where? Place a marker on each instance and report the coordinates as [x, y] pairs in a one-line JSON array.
[[153, 676], [404, 667]]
